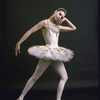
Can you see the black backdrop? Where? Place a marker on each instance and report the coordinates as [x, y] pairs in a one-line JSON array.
[[18, 16]]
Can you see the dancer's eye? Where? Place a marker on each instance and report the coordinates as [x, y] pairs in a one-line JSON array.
[[60, 14]]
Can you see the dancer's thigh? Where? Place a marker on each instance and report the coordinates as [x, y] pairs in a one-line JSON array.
[[42, 66], [59, 67]]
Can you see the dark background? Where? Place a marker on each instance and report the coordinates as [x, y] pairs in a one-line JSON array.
[[17, 17]]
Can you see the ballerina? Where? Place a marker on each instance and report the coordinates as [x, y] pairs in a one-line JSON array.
[[51, 53]]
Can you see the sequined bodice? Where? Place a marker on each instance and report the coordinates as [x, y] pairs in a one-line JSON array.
[[52, 35]]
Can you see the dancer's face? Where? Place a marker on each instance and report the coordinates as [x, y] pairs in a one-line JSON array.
[[59, 15]]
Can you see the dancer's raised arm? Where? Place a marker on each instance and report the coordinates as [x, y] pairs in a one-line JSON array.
[[70, 26]]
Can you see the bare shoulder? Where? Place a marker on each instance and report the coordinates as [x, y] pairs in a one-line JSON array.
[[43, 22]]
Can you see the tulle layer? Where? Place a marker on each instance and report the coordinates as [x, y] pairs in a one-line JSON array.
[[51, 53]]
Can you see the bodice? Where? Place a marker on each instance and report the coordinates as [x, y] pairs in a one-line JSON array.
[[52, 35]]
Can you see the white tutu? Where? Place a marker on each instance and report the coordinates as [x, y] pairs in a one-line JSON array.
[[51, 53]]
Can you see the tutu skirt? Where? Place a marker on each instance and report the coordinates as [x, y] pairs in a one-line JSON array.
[[51, 53]]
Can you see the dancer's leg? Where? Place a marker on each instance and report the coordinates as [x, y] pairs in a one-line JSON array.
[[41, 67], [61, 71]]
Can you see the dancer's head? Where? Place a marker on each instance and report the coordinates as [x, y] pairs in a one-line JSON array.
[[62, 9], [59, 14]]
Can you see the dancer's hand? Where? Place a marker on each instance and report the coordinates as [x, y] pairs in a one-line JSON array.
[[17, 49]]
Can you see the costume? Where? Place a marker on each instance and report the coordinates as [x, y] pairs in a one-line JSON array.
[[51, 51]]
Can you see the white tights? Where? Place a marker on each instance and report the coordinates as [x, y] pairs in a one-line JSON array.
[[41, 67]]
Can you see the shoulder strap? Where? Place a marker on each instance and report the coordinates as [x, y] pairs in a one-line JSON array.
[[48, 24]]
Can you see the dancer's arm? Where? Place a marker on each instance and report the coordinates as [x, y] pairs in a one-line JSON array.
[[70, 26], [27, 34]]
